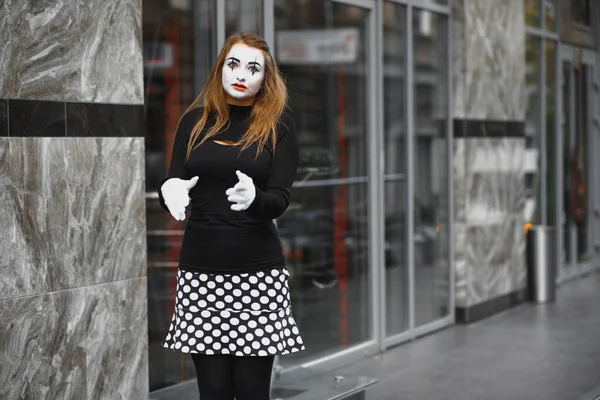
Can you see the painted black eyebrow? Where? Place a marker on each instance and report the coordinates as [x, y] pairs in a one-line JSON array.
[[254, 63], [233, 59]]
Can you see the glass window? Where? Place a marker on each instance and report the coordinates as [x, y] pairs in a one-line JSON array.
[[532, 126], [394, 116], [580, 161], [581, 11], [551, 160], [179, 50], [532, 12], [323, 55], [243, 16], [566, 122], [550, 10], [431, 205]]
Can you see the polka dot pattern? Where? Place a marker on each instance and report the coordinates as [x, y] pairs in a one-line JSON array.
[[245, 314]]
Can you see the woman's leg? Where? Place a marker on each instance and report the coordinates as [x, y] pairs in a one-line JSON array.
[[252, 377], [215, 376]]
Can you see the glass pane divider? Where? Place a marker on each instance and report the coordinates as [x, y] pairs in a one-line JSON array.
[[220, 24], [378, 170], [366, 4], [529, 30], [410, 257], [268, 25], [542, 173], [450, 163], [430, 6]]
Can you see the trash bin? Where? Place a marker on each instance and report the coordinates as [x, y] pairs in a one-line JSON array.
[[541, 265]]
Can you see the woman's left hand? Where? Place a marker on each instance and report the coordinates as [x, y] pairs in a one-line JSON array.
[[243, 193]]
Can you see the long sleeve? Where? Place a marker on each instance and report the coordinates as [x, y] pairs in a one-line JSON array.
[[177, 168], [271, 202]]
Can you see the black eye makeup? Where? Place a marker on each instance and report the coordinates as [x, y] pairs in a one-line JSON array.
[[233, 62], [254, 66]]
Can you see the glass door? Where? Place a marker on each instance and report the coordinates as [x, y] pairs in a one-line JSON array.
[[395, 195], [326, 55], [578, 180], [416, 178], [429, 157]]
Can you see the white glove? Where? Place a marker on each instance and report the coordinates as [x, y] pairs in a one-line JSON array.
[[243, 193], [175, 191]]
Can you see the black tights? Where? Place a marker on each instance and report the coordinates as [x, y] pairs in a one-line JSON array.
[[225, 377]]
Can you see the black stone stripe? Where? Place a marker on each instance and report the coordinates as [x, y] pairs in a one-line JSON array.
[[41, 118], [3, 117], [488, 128], [490, 307], [104, 120]]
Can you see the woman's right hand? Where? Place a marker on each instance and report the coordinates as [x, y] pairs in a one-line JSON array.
[[175, 192]]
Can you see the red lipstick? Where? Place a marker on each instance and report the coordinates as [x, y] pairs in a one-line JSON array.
[[239, 86]]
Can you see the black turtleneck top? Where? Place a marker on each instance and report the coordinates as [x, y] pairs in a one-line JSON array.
[[217, 238]]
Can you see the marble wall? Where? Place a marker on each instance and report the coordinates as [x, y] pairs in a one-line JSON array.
[[73, 213], [489, 59], [489, 242], [73, 293], [73, 262], [489, 192], [71, 50]]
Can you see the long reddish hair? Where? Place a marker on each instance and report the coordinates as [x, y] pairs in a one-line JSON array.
[[269, 103]]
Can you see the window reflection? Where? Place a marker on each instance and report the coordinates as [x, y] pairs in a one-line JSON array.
[[532, 127], [431, 209], [550, 114], [532, 12], [550, 9], [567, 116], [581, 11], [580, 175], [179, 45], [243, 16], [394, 86], [320, 49]]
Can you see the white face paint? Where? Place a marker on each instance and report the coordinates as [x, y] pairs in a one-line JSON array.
[[243, 71]]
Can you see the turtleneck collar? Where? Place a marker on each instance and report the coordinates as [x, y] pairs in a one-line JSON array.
[[241, 111]]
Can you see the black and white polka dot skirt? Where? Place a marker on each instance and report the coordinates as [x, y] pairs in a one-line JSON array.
[[245, 314]]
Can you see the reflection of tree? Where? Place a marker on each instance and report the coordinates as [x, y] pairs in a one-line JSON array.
[[316, 162], [532, 12], [316, 157]]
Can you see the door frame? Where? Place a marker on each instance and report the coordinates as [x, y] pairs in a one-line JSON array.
[[573, 268]]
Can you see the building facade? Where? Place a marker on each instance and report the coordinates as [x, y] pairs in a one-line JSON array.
[[433, 134]]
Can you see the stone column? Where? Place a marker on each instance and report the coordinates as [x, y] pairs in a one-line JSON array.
[[489, 155], [73, 304]]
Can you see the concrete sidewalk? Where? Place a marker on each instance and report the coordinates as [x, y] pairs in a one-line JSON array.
[[549, 352]]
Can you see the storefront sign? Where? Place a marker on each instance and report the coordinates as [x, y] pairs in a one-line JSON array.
[[327, 46]]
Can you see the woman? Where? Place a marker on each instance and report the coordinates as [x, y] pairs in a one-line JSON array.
[[234, 161]]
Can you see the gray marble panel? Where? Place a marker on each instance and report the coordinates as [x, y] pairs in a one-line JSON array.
[[85, 343], [489, 59], [111, 51], [72, 212], [71, 50], [460, 223], [489, 216], [459, 60]]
